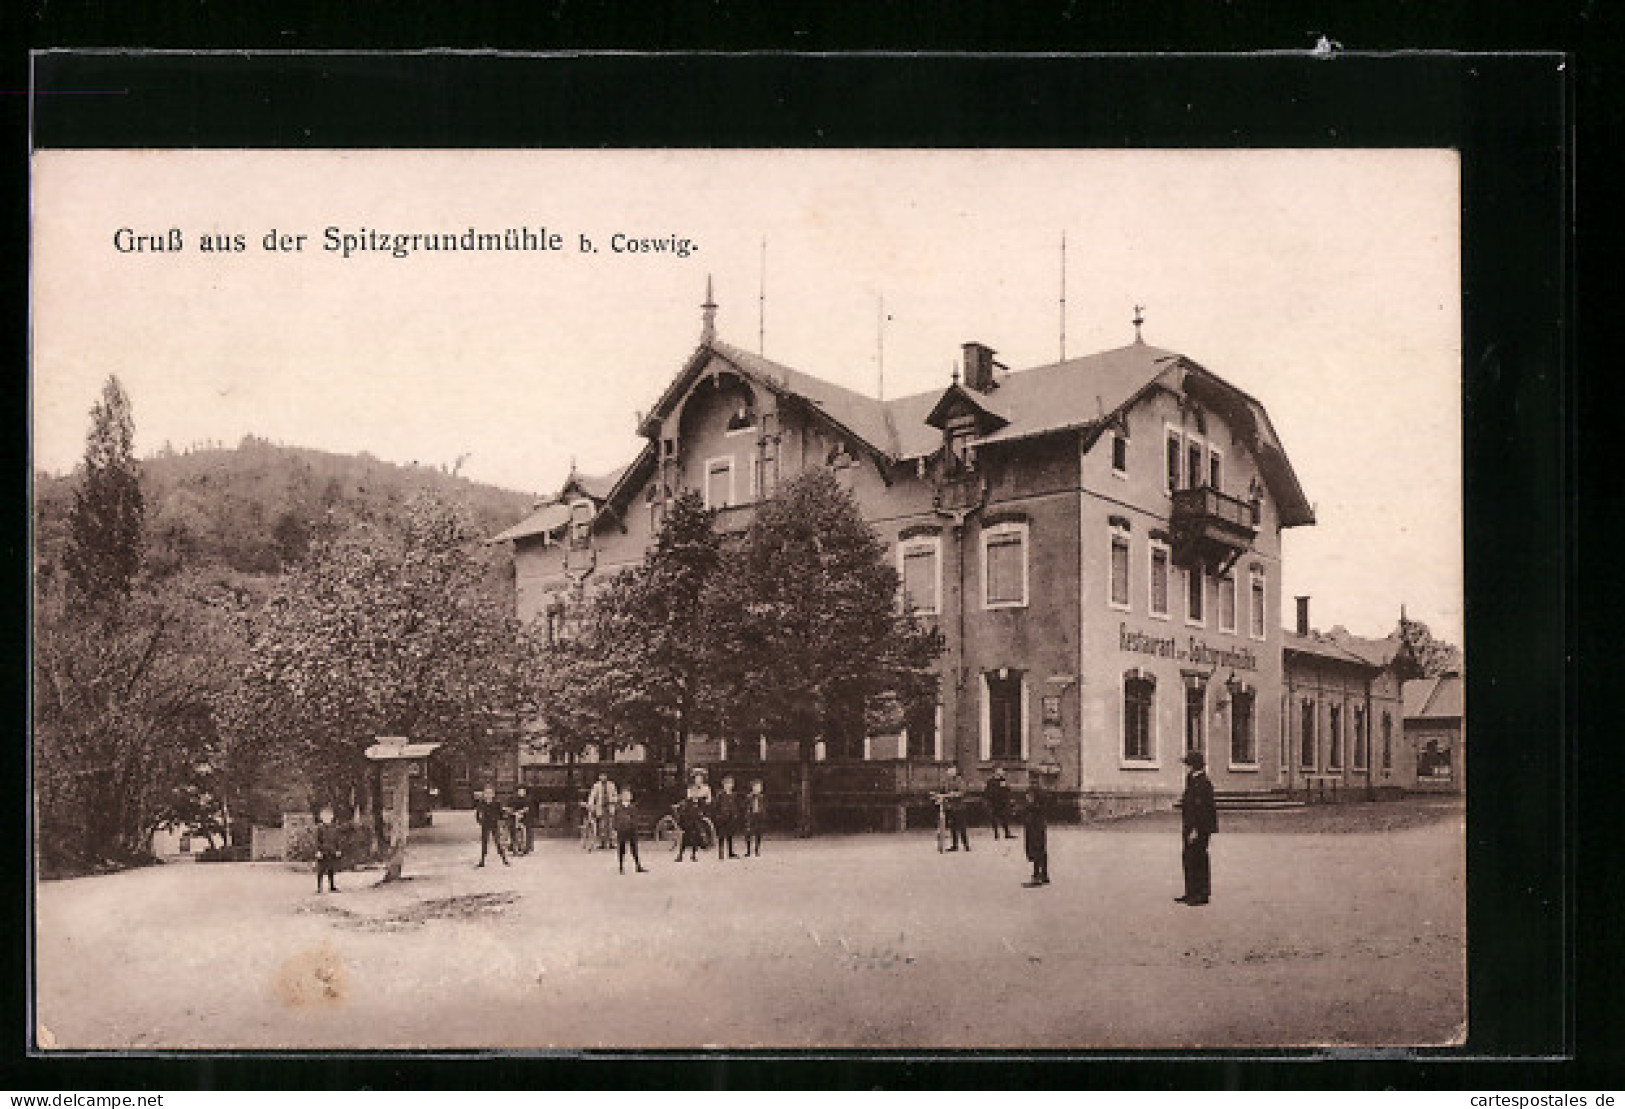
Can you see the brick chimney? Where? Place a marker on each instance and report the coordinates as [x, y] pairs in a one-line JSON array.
[[1303, 616], [979, 367]]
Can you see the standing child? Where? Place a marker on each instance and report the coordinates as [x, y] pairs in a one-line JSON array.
[[688, 818], [327, 850], [727, 818], [626, 832], [1037, 828], [755, 818]]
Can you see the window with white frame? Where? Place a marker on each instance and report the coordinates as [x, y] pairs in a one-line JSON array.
[[719, 482], [1243, 737], [1215, 468], [1175, 456], [1227, 603], [1334, 737], [1195, 454], [1159, 579], [1139, 717], [1256, 608], [1004, 565], [1118, 597], [919, 561], [1307, 740], [1195, 595], [1361, 737], [1004, 736], [1119, 454]]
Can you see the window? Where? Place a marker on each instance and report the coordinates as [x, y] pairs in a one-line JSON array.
[[1004, 736], [920, 731], [1119, 570], [1159, 579], [719, 483], [1387, 741], [1139, 703], [1004, 566], [920, 559], [961, 430], [1194, 471], [1360, 737], [1334, 735], [1215, 469], [1195, 710], [743, 419], [1194, 581], [1243, 743], [581, 513], [1120, 454], [1256, 610], [1227, 603], [1306, 737], [1174, 451]]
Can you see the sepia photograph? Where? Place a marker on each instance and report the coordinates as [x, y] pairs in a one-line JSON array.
[[885, 599]]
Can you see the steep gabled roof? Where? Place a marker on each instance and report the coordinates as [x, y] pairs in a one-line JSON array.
[[1076, 393], [1084, 394]]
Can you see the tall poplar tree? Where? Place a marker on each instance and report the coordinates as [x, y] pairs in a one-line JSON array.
[[105, 524]]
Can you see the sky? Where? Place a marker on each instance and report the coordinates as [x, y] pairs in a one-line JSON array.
[[1325, 283]]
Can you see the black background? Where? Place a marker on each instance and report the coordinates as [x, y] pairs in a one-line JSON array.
[[1538, 990]]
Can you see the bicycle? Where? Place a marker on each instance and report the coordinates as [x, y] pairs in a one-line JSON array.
[[589, 830], [942, 821], [669, 829]]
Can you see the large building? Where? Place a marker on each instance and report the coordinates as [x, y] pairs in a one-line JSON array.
[[1099, 541]]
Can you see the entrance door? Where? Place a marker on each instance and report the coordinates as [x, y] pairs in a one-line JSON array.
[[1195, 708]]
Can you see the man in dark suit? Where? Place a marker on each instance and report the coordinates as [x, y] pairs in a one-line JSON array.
[[489, 813], [1199, 819], [996, 795]]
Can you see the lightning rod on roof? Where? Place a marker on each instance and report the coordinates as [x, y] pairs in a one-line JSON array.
[[1139, 318], [1063, 296], [880, 344], [761, 306], [708, 314]]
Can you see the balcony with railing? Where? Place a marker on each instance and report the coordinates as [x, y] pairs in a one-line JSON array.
[[1210, 528]]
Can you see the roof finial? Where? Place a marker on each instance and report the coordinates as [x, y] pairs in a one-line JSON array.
[[954, 369], [708, 314], [1139, 318]]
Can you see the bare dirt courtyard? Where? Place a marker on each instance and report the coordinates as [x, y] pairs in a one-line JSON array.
[[1327, 927]]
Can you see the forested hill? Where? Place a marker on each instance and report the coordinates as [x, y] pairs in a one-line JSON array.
[[257, 507]]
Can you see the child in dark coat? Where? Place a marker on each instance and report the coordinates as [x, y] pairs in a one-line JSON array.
[[626, 832], [688, 819], [1037, 829], [755, 818], [328, 851]]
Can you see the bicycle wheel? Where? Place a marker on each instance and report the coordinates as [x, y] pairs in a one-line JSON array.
[[942, 837], [589, 833], [666, 831], [505, 838], [521, 840], [708, 833]]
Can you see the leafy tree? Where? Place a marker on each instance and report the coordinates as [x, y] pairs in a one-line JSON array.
[[105, 523], [123, 718], [1432, 657], [633, 668], [372, 636], [811, 642]]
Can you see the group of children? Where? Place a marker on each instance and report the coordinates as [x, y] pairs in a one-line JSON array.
[[729, 812]]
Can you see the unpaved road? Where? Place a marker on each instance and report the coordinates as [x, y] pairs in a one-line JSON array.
[[873, 941]]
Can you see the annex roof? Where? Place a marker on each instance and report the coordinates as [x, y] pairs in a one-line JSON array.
[[1436, 698], [1324, 647]]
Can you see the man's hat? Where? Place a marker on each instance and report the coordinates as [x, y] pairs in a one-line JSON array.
[[1194, 760]]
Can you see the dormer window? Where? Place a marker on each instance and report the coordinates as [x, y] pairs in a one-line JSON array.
[[581, 514], [743, 419], [961, 430]]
